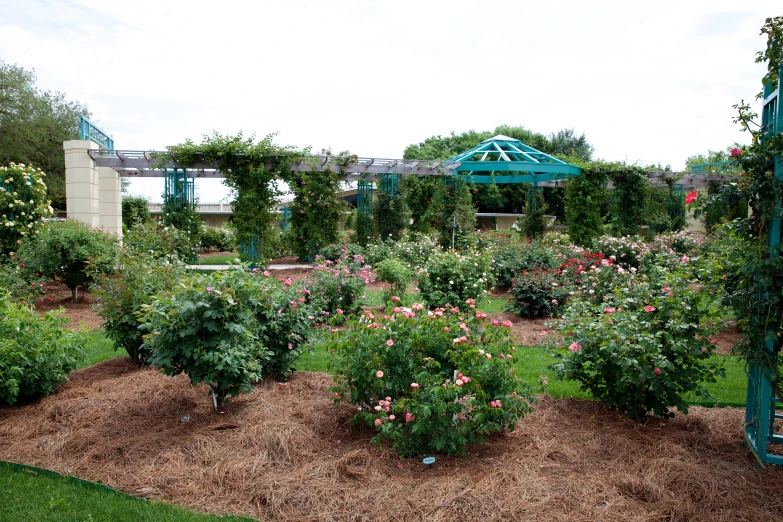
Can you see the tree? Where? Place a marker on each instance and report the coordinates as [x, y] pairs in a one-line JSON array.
[[566, 143], [33, 126]]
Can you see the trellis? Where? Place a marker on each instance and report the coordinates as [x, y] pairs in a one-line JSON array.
[[364, 198], [178, 187], [764, 397]]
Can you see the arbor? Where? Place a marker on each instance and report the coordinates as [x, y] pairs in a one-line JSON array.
[[33, 125]]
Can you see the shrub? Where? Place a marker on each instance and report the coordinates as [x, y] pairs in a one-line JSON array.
[[454, 277], [71, 252], [160, 242], [23, 285], [627, 252], [135, 211], [335, 289], [428, 382], [396, 275], [182, 216], [644, 348], [219, 238], [227, 329], [36, 353], [537, 293], [138, 280], [204, 328], [23, 205], [350, 253], [389, 215], [510, 259]]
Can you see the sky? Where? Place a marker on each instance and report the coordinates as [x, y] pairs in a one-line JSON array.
[[649, 82]]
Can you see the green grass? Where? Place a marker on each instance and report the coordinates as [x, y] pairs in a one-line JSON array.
[[532, 362], [99, 348], [26, 495], [224, 259]]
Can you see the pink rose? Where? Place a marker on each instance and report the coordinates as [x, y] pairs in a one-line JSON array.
[[649, 308], [409, 417], [657, 371], [379, 374], [390, 342], [575, 347], [414, 385], [392, 417], [378, 422], [209, 289]]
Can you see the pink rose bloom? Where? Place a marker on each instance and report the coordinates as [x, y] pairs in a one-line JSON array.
[[685, 259], [414, 385], [508, 324], [670, 294], [609, 310], [724, 276], [378, 422], [390, 342], [379, 374], [209, 289], [445, 328], [657, 371], [338, 311], [395, 299], [649, 308], [495, 322], [392, 417], [543, 332], [575, 347], [459, 382], [409, 417]]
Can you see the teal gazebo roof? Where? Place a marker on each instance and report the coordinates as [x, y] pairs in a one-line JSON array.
[[501, 154]]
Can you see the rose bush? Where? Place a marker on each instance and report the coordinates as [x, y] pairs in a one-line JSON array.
[[454, 276], [429, 381], [23, 205]]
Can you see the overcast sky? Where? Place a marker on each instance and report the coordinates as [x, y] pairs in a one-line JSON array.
[[646, 81]]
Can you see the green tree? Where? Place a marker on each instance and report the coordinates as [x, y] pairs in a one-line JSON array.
[[33, 125], [566, 143]]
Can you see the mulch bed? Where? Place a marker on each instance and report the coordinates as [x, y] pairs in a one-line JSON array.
[[82, 314], [285, 452]]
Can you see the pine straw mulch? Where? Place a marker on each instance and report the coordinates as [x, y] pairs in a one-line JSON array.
[[82, 314], [285, 452]]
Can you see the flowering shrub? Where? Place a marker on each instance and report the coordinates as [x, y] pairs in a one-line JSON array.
[[204, 327], [23, 205], [454, 277], [160, 242], [643, 348], [396, 275], [413, 251], [71, 252], [138, 281], [36, 353], [429, 381], [24, 286], [220, 238], [227, 329], [333, 287], [537, 293], [626, 251], [510, 259]]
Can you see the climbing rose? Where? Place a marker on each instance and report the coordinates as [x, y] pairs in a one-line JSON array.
[[690, 198], [736, 152]]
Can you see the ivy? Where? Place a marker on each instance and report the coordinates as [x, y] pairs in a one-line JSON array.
[[389, 215], [452, 213], [631, 190], [315, 211], [585, 196]]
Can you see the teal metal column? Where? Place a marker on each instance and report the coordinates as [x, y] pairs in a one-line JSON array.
[[390, 183], [286, 217], [762, 400], [364, 196]]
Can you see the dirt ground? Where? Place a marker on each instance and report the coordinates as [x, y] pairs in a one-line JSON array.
[[285, 452], [82, 314]]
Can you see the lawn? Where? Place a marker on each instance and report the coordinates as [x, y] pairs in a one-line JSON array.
[[223, 259], [27, 495]]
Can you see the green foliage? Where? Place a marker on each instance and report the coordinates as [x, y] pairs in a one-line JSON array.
[[23, 204], [453, 277], [36, 353], [511, 258], [537, 293], [160, 242], [335, 289], [419, 194], [643, 348], [584, 198], [414, 250], [182, 216], [204, 328], [566, 143], [250, 168], [220, 238], [71, 252], [33, 126], [396, 274], [135, 211], [533, 224], [631, 190], [389, 215], [429, 383], [453, 214], [23, 285], [315, 211], [139, 279]]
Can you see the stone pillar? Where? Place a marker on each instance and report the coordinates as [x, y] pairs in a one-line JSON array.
[[81, 182], [109, 201]]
